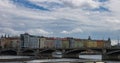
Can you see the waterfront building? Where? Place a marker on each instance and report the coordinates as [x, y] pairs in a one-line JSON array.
[[107, 43], [78, 43], [9, 42], [25, 40], [100, 43], [50, 42], [42, 41], [58, 43], [29, 41], [71, 42], [65, 43], [33, 42]]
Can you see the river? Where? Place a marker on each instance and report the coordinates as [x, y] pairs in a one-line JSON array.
[[84, 58]]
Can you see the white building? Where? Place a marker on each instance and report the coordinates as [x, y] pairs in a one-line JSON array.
[[29, 41], [33, 42]]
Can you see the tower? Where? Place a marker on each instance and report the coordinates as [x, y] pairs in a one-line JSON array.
[[89, 38], [109, 39], [109, 42]]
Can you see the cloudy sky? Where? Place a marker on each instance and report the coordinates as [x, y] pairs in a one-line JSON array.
[[99, 19]]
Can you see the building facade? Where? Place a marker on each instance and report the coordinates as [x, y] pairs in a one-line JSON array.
[[29, 41], [10, 42]]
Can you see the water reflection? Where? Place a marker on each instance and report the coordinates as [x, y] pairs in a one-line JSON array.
[[95, 58], [13, 57]]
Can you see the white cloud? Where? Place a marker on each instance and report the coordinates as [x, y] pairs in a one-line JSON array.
[[82, 3], [65, 32], [20, 19], [113, 5], [6, 4], [70, 3], [77, 30], [114, 42], [38, 32], [10, 31]]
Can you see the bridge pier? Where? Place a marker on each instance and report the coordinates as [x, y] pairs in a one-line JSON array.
[[19, 53], [104, 55], [107, 53], [36, 53], [45, 54]]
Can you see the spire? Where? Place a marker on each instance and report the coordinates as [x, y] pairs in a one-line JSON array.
[[109, 39], [89, 38]]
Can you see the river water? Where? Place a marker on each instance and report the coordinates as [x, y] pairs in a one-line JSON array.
[[84, 58]]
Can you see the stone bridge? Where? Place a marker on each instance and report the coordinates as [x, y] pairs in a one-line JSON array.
[[111, 54], [66, 53]]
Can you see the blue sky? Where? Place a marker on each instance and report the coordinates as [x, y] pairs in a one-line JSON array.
[[61, 18]]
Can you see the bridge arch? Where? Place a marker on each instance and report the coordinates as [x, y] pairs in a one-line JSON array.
[[8, 52], [91, 51], [47, 51], [80, 51], [28, 52], [114, 52], [73, 51]]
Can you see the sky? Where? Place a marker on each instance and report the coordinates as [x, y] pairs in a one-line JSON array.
[[61, 18]]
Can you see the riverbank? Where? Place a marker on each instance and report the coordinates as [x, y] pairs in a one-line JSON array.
[[15, 58]]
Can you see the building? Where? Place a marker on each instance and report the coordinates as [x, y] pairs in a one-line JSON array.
[[50, 42], [33, 42], [9, 42], [58, 42], [29, 41], [42, 41]]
